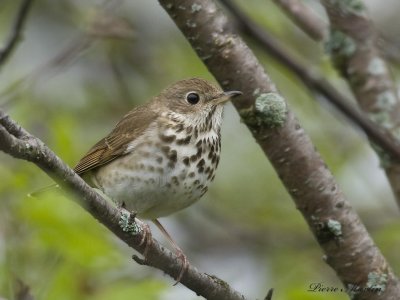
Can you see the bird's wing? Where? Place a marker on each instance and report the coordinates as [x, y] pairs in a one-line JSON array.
[[114, 145]]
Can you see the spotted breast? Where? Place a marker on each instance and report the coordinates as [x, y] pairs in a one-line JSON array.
[[168, 168]]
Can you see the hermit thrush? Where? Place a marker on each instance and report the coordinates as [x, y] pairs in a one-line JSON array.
[[161, 156]]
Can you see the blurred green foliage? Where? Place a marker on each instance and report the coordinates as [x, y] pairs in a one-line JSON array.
[[69, 92]]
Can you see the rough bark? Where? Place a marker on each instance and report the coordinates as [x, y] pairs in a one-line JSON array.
[[348, 248], [354, 51], [315, 81]]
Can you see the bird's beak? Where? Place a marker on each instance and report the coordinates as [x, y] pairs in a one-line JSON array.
[[226, 96]]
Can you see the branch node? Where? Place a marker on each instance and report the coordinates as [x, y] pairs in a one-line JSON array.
[[269, 295]]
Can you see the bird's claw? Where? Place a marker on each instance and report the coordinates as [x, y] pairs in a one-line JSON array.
[[185, 265], [146, 238]]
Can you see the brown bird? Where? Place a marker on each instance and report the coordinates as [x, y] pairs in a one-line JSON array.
[[161, 156]]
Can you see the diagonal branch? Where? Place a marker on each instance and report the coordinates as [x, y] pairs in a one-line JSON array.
[[385, 138], [315, 27], [304, 17], [356, 53], [16, 32], [348, 248], [315, 81], [17, 142], [353, 48]]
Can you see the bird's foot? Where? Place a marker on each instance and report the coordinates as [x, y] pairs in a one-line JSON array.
[[146, 238], [179, 253], [185, 264], [129, 223]]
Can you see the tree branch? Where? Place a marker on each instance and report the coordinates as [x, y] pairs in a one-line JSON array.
[[16, 32], [315, 81], [353, 49], [303, 17], [317, 29], [356, 53], [348, 248], [17, 142]]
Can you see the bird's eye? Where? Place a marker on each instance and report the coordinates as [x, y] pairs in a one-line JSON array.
[[192, 97]]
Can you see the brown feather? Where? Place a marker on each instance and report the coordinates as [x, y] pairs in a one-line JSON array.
[[114, 145]]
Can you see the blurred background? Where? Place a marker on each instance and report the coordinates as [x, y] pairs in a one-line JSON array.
[[82, 65]]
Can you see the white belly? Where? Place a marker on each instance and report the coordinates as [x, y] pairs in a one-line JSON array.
[[158, 178]]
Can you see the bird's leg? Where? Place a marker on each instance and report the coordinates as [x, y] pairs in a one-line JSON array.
[[179, 252], [146, 239], [129, 222]]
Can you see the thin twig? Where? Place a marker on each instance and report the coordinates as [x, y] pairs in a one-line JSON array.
[[269, 295], [16, 32], [74, 49], [22, 290], [315, 81]]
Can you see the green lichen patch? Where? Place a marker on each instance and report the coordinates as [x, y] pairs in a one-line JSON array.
[[377, 66], [377, 282], [384, 158], [269, 110], [340, 44], [382, 118], [334, 227], [196, 7], [127, 224], [191, 24], [348, 6], [386, 101]]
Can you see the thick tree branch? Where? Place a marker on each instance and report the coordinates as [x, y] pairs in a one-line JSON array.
[[356, 53], [314, 81], [16, 32], [353, 48], [348, 248], [17, 142], [380, 135]]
